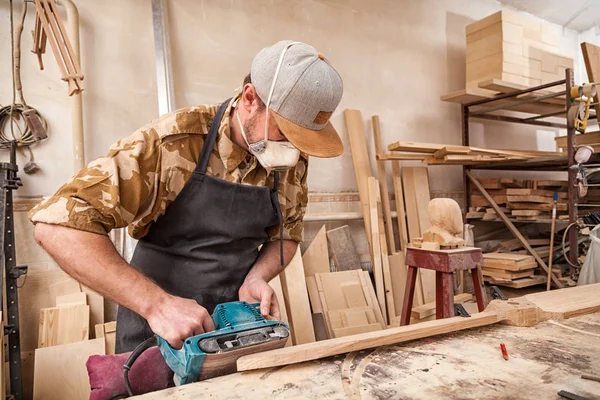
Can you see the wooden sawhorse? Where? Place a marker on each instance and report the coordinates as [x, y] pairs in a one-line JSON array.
[[444, 263]]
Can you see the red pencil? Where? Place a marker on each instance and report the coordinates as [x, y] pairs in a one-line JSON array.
[[504, 352]]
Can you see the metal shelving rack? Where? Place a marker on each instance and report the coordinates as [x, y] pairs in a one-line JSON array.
[[477, 110]]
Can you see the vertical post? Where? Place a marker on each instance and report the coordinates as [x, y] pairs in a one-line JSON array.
[[409, 293], [464, 112], [162, 49], [572, 171]]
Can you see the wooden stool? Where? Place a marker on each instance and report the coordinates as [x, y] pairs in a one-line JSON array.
[[444, 263]]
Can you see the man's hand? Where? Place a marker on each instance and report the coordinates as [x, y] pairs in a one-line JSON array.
[[177, 319], [258, 290]]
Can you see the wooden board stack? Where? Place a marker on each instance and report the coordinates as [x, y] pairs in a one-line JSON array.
[[446, 154], [511, 270], [524, 200], [513, 48]]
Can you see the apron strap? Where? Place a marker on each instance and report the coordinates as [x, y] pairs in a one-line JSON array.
[[213, 132]]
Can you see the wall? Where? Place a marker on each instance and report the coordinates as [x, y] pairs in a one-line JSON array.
[[396, 60]]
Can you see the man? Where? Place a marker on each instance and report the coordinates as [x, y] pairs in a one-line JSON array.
[[200, 188]]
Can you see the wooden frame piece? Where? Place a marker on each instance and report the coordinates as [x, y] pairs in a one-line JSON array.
[[528, 310], [377, 243], [383, 186], [362, 166]]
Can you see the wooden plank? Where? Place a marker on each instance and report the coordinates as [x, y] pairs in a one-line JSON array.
[[423, 197], [513, 229], [529, 199], [295, 293], [529, 192], [387, 278], [63, 325], [108, 331], [412, 213], [383, 186], [526, 213], [490, 183], [342, 249], [398, 273], [313, 295], [536, 206], [275, 284], [497, 273], [73, 299], [524, 311], [518, 283], [363, 341], [360, 160], [591, 58], [60, 371], [316, 257], [427, 310], [376, 242], [96, 302], [400, 209], [589, 138]]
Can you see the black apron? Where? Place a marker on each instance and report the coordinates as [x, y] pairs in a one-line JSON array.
[[204, 245]]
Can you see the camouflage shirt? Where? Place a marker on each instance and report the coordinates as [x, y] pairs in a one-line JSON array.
[[142, 174]]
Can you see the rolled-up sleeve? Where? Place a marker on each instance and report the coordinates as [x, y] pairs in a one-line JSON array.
[[293, 198], [110, 190]]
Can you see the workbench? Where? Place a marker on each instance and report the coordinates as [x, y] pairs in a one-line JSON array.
[[543, 360]]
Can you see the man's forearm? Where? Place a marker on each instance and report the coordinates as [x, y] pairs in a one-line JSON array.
[[268, 265], [93, 260]]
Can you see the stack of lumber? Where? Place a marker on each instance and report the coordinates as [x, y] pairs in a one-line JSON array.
[[522, 199], [64, 345], [589, 138], [446, 154], [511, 270], [514, 48]]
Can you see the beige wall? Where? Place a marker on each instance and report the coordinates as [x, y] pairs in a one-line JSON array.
[[396, 59]]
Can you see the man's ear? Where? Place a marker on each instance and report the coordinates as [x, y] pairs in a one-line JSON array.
[[250, 99]]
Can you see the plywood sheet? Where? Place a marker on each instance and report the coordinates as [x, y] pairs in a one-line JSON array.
[[343, 250], [60, 371], [63, 325]]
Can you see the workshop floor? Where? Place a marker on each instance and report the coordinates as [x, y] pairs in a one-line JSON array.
[[542, 360]]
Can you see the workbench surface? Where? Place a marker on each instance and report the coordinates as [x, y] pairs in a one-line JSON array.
[[543, 360]]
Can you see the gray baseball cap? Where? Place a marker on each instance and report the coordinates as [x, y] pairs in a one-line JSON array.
[[306, 93]]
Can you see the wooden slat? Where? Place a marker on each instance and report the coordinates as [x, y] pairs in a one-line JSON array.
[[60, 371], [400, 208], [383, 186], [513, 229], [275, 284], [387, 278], [369, 292], [342, 249], [293, 284], [423, 197], [376, 241], [524, 311], [63, 325], [591, 58], [313, 295], [316, 257], [360, 160]]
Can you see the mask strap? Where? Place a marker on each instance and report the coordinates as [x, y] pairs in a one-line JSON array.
[[285, 49]]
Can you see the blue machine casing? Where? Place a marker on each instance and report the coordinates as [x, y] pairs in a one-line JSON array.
[[229, 318]]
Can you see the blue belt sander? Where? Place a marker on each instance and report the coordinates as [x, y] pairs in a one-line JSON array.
[[240, 330]]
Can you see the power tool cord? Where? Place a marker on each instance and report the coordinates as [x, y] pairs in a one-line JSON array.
[[145, 345]]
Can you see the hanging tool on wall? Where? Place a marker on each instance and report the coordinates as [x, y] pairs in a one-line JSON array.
[[20, 124], [578, 115], [49, 28]]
